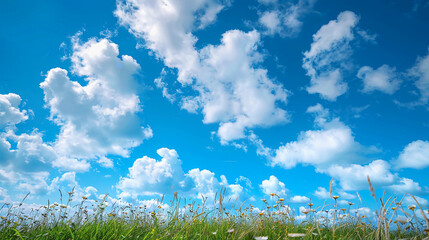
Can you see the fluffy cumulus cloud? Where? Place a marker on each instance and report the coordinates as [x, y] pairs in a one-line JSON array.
[[153, 177], [332, 150], [421, 72], [273, 185], [10, 114], [149, 177], [24, 158], [328, 54], [321, 193], [383, 79], [332, 142], [353, 177], [284, 19], [230, 89], [415, 155], [99, 118], [4, 196], [299, 199]]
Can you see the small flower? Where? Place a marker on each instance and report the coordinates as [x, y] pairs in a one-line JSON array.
[[292, 235], [214, 233], [263, 200], [402, 219], [84, 198], [231, 230], [412, 207], [335, 197], [261, 213], [310, 204], [4, 218], [306, 211], [350, 203], [281, 199], [394, 208], [273, 194], [261, 238]]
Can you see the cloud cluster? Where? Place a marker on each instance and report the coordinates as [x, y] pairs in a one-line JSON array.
[[383, 79], [229, 88], [99, 118], [95, 120], [10, 114], [328, 56], [149, 177], [332, 150], [421, 71], [273, 185], [24, 157], [415, 155], [284, 19]]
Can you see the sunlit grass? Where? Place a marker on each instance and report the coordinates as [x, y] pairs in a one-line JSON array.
[[220, 219]]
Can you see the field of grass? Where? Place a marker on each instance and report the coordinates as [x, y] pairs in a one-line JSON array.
[[222, 219]]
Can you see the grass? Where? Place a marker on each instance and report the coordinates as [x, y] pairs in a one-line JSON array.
[[89, 219]]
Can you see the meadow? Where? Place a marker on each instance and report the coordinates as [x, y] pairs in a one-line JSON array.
[[222, 218]]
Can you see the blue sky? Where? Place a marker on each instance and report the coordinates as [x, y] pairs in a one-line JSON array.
[[139, 99]]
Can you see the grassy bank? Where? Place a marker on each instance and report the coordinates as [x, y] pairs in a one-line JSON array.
[[222, 219]]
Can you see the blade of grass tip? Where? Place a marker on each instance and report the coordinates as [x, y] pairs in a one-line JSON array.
[[371, 189], [70, 231], [423, 213], [18, 233], [330, 187], [360, 199], [20, 204]]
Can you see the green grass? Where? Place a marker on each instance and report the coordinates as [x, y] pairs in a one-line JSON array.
[[94, 220]]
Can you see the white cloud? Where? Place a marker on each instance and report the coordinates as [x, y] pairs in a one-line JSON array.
[[267, 2], [24, 158], [10, 114], [230, 88], [384, 79], [353, 177], [285, 19], [105, 162], [245, 180], [421, 71], [273, 185], [271, 21], [332, 150], [408, 200], [99, 118], [415, 155], [316, 147], [328, 51], [4, 196], [406, 185], [148, 176], [322, 193], [334, 141], [300, 199]]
